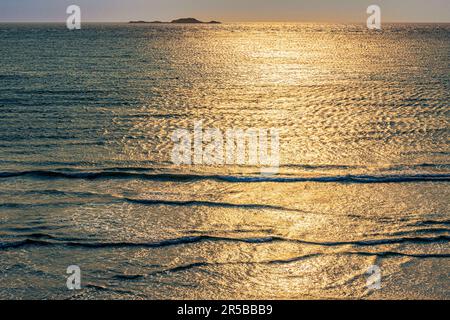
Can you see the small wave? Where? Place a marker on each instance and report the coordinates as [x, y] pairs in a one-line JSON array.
[[52, 192], [128, 277], [183, 267], [421, 231], [388, 254], [146, 202], [208, 204], [195, 265], [94, 175], [98, 245], [200, 239], [431, 222], [13, 76], [23, 206], [346, 178], [33, 229]]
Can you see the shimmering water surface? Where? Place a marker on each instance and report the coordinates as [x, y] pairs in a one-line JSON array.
[[86, 176]]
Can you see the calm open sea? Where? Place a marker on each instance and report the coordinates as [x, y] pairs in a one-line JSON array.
[[86, 176]]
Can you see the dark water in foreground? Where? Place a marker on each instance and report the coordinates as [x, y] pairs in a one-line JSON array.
[[86, 176]]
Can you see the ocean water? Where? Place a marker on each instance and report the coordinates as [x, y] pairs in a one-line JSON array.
[[86, 176]]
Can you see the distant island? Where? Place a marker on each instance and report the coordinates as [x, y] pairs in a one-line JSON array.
[[182, 20]]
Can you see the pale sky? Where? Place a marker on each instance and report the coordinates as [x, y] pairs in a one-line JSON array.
[[226, 10]]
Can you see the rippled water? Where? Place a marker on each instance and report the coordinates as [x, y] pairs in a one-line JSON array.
[[86, 176]]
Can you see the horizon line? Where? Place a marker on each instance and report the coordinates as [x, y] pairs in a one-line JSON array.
[[232, 22]]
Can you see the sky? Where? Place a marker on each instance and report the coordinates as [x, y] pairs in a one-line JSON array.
[[226, 10]]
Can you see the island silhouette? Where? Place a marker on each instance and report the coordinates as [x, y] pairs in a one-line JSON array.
[[181, 20]]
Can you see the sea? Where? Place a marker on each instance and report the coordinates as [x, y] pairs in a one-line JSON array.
[[358, 207]]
